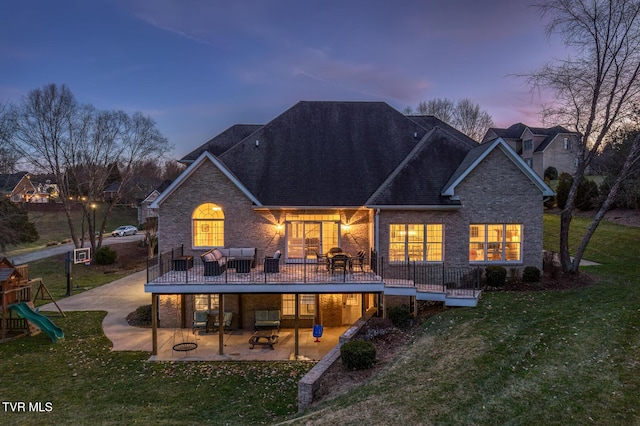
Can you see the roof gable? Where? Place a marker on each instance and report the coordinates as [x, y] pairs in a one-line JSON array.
[[222, 142], [477, 155], [205, 156], [8, 182], [418, 181], [324, 153]]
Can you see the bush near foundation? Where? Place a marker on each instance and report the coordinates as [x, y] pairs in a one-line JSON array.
[[496, 276], [531, 274], [358, 355], [399, 315]]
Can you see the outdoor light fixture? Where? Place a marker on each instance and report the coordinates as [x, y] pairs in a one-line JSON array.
[[347, 229], [278, 228]]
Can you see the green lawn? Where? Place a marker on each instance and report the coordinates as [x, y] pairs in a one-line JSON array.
[[53, 226], [82, 382], [569, 357]]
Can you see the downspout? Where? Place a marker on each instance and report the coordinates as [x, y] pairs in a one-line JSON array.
[[376, 247], [376, 234]]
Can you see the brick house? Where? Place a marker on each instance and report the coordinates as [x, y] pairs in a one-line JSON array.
[[17, 187], [417, 206], [540, 147]]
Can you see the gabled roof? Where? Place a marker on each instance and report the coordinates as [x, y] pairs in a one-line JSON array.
[[425, 171], [222, 142], [324, 153], [475, 157], [340, 154], [515, 131], [9, 181], [205, 156]]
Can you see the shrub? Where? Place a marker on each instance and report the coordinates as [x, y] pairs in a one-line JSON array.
[[399, 315], [587, 195], [358, 355], [551, 173], [106, 256], [562, 190], [143, 313], [496, 275], [531, 274]]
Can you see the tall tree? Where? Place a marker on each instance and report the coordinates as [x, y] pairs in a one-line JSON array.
[[464, 115], [8, 156], [16, 228], [596, 90], [82, 147]]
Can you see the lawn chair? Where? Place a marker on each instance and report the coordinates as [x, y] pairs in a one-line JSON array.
[[199, 321]]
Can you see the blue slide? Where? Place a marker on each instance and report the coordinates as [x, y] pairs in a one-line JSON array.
[[44, 323]]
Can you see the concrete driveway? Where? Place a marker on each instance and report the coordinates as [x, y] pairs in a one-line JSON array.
[[118, 298], [21, 258]]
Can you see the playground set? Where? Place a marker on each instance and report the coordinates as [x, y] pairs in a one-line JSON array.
[[19, 318]]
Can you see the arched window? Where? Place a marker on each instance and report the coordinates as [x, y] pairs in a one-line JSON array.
[[208, 226]]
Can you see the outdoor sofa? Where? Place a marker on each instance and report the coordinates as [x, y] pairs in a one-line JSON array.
[[217, 260]]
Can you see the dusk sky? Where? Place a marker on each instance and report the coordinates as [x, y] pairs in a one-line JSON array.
[[199, 66]]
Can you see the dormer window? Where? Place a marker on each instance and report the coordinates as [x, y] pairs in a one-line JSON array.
[[528, 145]]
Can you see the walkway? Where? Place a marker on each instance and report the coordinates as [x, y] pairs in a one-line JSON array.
[[123, 296], [118, 298]]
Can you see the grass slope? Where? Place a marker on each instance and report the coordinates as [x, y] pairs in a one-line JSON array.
[[82, 382], [53, 226], [569, 357]]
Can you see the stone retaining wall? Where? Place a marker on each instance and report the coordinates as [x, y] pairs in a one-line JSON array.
[[308, 385]]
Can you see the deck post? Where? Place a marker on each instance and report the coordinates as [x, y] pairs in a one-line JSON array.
[[154, 324], [221, 324], [296, 350]]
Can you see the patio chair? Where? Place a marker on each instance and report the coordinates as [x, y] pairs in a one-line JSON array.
[[272, 264], [199, 321], [358, 260], [321, 262], [339, 261]]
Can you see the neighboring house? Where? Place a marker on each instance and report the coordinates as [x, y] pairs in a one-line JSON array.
[[45, 189], [425, 203], [111, 191], [17, 187], [539, 147], [144, 210]]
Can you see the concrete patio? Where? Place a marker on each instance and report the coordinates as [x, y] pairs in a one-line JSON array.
[[123, 296], [237, 347]]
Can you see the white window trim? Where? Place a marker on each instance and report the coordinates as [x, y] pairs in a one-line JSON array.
[[502, 260], [425, 246]]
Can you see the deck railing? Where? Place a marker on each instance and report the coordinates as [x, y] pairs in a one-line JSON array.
[[435, 277]]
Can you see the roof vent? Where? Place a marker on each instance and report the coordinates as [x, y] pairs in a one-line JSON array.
[[415, 135], [257, 143]]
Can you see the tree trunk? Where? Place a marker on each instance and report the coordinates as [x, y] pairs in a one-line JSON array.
[[611, 196]]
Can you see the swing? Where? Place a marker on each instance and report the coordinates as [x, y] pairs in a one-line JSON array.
[[183, 345]]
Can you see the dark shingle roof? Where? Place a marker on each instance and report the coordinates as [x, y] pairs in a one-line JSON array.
[[324, 153], [9, 181], [332, 154], [427, 171], [515, 131], [223, 141]]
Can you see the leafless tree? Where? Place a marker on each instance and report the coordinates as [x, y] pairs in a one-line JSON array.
[[464, 115], [172, 169], [82, 147], [8, 156], [596, 89]]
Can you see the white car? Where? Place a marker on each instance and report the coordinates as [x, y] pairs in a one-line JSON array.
[[125, 230]]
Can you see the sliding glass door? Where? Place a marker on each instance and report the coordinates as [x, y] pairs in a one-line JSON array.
[[307, 238]]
